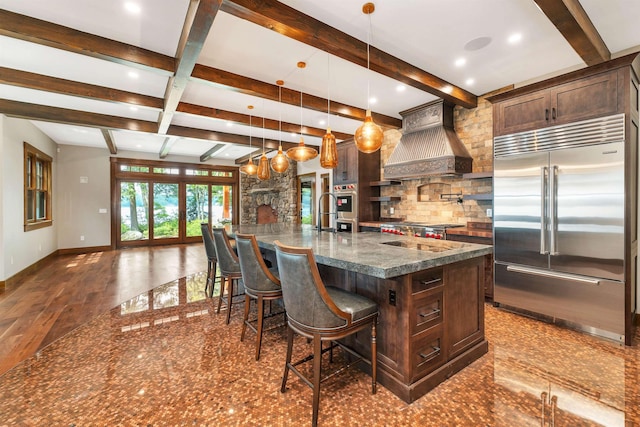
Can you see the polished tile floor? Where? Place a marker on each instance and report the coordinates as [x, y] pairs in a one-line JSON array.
[[165, 358]]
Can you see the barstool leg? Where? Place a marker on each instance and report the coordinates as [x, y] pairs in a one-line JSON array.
[[317, 362], [283, 387], [232, 282], [374, 358], [259, 329], [206, 286], [223, 281], [214, 269], [247, 303]]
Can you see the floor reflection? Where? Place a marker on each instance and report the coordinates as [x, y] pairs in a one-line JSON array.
[[166, 358]]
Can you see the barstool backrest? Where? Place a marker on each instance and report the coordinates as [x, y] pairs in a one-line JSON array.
[[305, 296], [209, 247], [227, 258], [255, 274]]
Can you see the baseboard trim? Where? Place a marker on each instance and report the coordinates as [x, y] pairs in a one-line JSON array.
[[20, 275], [14, 280], [86, 250]]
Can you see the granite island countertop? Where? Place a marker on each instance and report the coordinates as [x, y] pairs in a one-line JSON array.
[[368, 252]]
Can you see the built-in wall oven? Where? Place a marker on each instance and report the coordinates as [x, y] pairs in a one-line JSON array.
[[346, 207]]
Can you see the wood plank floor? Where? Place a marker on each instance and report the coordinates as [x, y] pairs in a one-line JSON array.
[[70, 290]]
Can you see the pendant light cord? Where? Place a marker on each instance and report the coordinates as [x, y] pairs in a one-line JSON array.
[[328, 91], [368, 66]]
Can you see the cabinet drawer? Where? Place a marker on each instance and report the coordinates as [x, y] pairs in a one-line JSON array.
[[427, 311], [426, 280], [427, 353]]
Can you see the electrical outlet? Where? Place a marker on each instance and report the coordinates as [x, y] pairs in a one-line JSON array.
[[81, 238], [392, 297], [489, 213], [392, 211]]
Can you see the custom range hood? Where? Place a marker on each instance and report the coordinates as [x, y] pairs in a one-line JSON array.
[[429, 146]]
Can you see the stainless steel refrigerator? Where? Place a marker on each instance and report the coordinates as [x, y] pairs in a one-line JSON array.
[[559, 206]]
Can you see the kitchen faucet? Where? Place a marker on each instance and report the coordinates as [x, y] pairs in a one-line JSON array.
[[320, 213]]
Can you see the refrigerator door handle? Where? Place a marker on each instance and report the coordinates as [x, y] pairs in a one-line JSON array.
[[553, 207], [544, 173], [552, 274]]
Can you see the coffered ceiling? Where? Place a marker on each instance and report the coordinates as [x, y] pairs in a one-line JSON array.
[[176, 77]]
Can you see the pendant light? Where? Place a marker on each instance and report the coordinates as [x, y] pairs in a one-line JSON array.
[[280, 163], [328, 149], [368, 136], [264, 173], [249, 168], [301, 153]]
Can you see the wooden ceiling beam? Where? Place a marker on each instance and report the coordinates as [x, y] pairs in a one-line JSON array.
[[256, 122], [228, 138], [198, 23], [29, 111], [67, 87], [574, 24], [269, 91], [108, 138], [46, 33], [289, 22]]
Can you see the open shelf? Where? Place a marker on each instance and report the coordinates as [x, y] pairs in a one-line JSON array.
[[385, 199], [384, 183]]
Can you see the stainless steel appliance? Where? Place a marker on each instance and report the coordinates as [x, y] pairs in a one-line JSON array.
[[433, 231], [559, 206], [346, 207]]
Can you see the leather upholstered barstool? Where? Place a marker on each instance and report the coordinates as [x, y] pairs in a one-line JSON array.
[[320, 313], [212, 261], [230, 273], [260, 283]]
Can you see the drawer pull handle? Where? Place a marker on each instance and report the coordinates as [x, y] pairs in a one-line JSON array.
[[434, 353], [431, 282], [435, 312]]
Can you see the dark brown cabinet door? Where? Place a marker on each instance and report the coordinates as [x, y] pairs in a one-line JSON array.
[[522, 113], [583, 99], [347, 169]]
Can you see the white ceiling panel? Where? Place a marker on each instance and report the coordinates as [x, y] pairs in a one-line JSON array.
[[157, 26]]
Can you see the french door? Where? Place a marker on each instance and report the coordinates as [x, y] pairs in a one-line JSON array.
[[156, 209]]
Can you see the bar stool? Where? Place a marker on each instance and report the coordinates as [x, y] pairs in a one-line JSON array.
[[260, 284], [212, 264], [320, 313], [229, 269]]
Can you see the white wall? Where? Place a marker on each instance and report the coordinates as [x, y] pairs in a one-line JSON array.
[[82, 189], [21, 249]]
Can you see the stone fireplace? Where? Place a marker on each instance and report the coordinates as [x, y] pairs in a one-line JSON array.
[[274, 198]]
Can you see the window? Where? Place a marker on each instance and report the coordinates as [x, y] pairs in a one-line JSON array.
[[37, 188]]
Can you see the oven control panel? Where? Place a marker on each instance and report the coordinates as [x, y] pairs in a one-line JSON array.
[[344, 187]]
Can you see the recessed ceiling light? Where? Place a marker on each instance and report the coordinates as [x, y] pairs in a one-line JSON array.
[[514, 38], [469, 82], [139, 146], [229, 124], [477, 44], [132, 108], [460, 62], [323, 122], [373, 100], [132, 7], [293, 134], [133, 74], [401, 88]]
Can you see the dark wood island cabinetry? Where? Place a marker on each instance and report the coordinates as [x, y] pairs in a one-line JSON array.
[[431, 302]]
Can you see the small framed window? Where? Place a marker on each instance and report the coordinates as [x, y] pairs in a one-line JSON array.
[[38, 188]]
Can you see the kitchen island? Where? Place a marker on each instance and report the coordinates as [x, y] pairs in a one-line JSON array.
[[429, 293]]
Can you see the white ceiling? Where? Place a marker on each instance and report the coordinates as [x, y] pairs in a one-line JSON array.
[[429, 34]]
